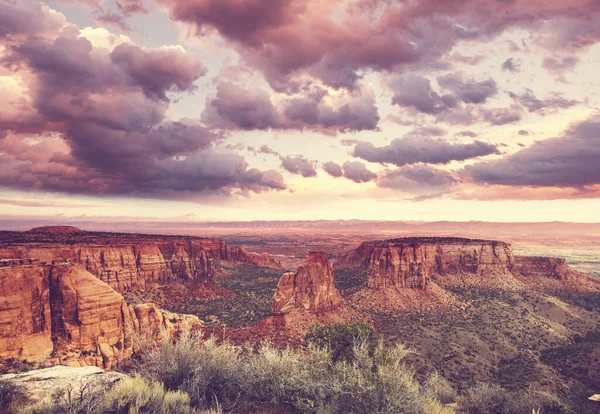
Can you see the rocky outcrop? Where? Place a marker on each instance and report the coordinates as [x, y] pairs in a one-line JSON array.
[[552, 267], [239, 254], [63, 311], [129, 261], [40, 384], [411, 262], [310, 288], [25, 320]]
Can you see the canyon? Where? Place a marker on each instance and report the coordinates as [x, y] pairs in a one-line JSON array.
[[61, 291], [468, 306]]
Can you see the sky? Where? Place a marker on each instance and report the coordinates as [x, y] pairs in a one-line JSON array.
[[301, 109]]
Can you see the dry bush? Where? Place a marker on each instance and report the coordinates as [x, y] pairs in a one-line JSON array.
[[137, 395], [492, 399]]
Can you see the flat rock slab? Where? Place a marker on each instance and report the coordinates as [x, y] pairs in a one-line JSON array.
[[41, 383]]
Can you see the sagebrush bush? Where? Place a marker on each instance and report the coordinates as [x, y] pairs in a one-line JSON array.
[[492, 399], [440, 388], [137, 395], [341, 337], [217, 375], [172, 361]]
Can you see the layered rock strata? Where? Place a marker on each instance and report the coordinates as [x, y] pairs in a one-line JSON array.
[[64, 312], [553, 267], [128, 261], [310, 288], [411, 262], [239, 254]]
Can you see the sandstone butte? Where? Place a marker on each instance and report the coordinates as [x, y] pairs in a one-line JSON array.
[[310, 288], [60, 292], [411, 262]]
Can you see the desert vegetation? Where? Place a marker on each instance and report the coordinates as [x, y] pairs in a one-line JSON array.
[[342, 369]]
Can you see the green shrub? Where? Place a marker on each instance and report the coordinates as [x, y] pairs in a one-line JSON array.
[[216, 374], [341, 338], [172, 361], [137, 395]]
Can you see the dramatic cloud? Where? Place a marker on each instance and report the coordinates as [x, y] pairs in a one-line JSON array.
[[358, 172], [571, 160], [29, 19], [416, 179], [299, 165], [458, 101], [93, 120], [415, 91], [234, 107], [533, 104], [333, 169], [160, 70], [289, 38], [411, 150]]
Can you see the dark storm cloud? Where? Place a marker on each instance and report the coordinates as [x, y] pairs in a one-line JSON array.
[[411, 150], [299, 165], [571, 160], [333, 169]]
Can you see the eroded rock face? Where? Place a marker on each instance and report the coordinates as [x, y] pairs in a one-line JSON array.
[[25, 321], [240, 254], [310, 288], [410, 262], [129, 261], [552, 267], [64, 310]]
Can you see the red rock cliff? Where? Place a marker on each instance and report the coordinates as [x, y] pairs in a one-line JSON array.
[[239, 254], [65, 312], [552, 267], [310, 288], [410, 262], [127, 261]]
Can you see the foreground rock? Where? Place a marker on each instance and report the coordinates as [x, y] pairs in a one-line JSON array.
[[45, 383], [310, 288], [63, 314], [410, 262]]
